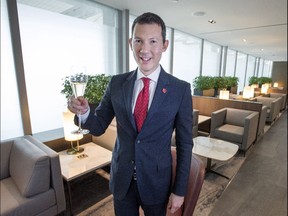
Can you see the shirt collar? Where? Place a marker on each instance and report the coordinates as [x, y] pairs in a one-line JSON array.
[[153, 76]]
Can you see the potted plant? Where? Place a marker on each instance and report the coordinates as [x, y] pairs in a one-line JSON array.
[[232, 84], [253, 80], [94, 91], [203, 85], [220, 83], [263, 80]]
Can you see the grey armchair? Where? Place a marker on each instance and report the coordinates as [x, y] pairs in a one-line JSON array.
[[235, 125], [262, 120], [283, 99], [31, 180], [274, 106]]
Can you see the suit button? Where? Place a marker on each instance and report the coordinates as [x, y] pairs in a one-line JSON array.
[[138, 141], [132, 162]]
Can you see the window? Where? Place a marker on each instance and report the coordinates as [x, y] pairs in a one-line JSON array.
[[187, 55], [267, 68], [241, 70], [261, 66], [55, 36], [230, 63], [211, 59], [250, 69], [11, 123]]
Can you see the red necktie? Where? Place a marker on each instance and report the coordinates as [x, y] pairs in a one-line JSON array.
[[141, 106]]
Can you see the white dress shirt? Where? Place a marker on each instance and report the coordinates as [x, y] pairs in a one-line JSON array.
[[139, 86]]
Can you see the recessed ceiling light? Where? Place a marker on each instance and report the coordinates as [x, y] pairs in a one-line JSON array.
[[244, 40], [198, 13], [175, 1], [212, 21]]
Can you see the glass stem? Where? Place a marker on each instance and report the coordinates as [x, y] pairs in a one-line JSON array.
[[79, 121]]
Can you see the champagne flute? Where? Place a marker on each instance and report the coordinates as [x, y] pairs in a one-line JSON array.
[[78, 83]]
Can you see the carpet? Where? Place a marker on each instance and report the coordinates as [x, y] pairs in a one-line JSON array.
[[212, 188]]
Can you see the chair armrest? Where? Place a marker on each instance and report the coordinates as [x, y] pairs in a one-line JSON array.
[[56, 176], [250, 130], [217, 119]]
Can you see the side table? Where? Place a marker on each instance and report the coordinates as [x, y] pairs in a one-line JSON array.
[[73, 166]]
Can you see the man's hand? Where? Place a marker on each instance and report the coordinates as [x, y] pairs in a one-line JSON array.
[[78, 105], [175, 202]]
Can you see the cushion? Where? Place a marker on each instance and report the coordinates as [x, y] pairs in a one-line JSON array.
[[236, 117], [29, 168], [5, 155], [230, 133]]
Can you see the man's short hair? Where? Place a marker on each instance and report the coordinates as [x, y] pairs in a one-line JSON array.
[[150, 18]]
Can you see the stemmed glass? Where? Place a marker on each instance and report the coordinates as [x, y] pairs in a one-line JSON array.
[[78, 83]]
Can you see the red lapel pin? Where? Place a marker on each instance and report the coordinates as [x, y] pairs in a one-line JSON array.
[[164, 90]]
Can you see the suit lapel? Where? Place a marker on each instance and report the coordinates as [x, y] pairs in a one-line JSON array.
[[127, 90], [160, 94]]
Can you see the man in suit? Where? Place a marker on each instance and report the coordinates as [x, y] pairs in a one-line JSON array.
[[141, 167]]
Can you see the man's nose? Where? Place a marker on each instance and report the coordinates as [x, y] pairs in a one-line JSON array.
[[144, 48]]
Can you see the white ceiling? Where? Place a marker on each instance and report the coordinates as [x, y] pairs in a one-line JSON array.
[[262, 23]]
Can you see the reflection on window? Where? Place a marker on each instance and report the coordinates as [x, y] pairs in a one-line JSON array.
[[187, 55], [211, 59], [56, 35]]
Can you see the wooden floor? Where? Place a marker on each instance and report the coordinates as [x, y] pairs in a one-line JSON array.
[[260, 186]]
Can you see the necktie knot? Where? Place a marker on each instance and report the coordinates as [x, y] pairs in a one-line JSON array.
[[142, 102]]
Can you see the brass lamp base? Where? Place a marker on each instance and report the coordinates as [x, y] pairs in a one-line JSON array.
[[75, 150]]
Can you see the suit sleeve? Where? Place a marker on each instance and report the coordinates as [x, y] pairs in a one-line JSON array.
[[184, 142]]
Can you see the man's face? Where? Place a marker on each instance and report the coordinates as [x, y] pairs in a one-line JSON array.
[[147, 46]]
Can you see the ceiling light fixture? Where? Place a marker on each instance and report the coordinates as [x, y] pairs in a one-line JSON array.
[[175, 1], [212, 21], [198, 13]]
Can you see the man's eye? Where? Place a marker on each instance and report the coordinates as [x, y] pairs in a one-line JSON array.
[[137, 41]]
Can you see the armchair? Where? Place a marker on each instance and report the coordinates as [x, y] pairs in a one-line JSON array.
[[31, 180], [195, 122], [274, 106], [283, 99], [235, 125]]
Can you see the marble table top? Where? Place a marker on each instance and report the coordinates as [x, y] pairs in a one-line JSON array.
[[214, 148], [93, 157]]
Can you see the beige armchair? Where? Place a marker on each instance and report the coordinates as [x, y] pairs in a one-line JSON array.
[[31, 180], [235, 125]]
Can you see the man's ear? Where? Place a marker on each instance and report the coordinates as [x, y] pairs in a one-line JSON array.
[[165, 45], [130, 43]]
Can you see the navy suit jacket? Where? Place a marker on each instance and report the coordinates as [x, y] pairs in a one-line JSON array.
[[150, 149]]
